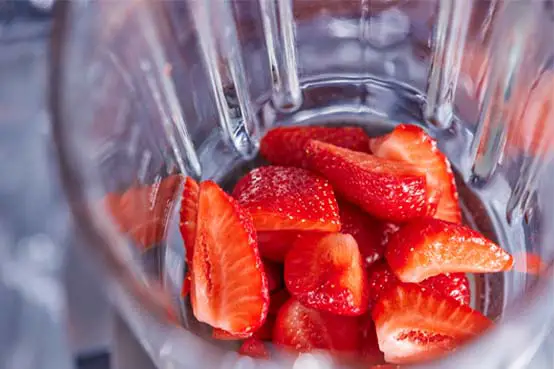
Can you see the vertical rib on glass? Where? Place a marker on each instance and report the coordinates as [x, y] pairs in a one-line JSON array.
[[449, 39], [165, 96], [509, 47], [278, 23], [221, 44]]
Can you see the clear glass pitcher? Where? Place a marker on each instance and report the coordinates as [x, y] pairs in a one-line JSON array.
[[144, 90]]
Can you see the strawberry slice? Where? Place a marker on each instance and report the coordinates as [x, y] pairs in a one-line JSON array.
[[143, 212], [274, 245], [188, 216], [410, 144], [414, 324], [304, 329], [326, 272], [228, 282], [254, 348], [286, 198], [384, 188], [454, 285], [427, 247], [274, 274], [285, 145], [366, 230], [220, 334]]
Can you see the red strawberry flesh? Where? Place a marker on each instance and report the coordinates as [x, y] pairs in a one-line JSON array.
[[384, 188], [285, 145], [286, 198], [326, 272], [414, 324], [254, 348], [453, 285], [274, 245], [228, 282], [304, 329], [410, 144], [428, 247], [367, 231]]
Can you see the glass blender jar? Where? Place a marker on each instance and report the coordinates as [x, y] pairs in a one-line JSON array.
[[143, 90]]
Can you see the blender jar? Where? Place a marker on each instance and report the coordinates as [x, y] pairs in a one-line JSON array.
[[142, 91]]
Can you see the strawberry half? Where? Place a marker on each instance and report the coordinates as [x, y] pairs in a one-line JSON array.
[[285, 145], [414, 324], [304, 329], [427, 247], [366, 230], [143, 212], [254, 348], [410, 144], [188, 216], [326, 272], [220, 334], [384, 188], [286, 198], [454, 285], [274, 245], [228, 282]]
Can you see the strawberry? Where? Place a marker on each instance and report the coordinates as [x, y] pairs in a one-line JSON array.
[[285, 145], [274, 274], [304, 329], [387, 230], [265, 332], [410, 144], [274, 245], [228, 282], [254, 348], [188, 215], [143, 212], [414, 324], [186, 285], [286, 198], [384, 188], [454, 285], [220, 334], [366, 230], [427, 247], [326, 272]]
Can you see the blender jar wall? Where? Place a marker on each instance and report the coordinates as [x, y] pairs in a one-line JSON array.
[[145, 90]]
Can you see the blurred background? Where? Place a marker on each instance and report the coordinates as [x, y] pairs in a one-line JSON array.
[[74, 326]]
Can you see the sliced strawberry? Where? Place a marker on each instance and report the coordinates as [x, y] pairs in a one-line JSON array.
[[274, 245], [326, 272], [220, 334], [228, 284], [285, 145], [414, 324], [427, 247], [277, 300], [254, 348], [366, 230], [410, 144], [384, 188], [274, 274], [143, 212], [454, 285], [530, 263], [304, 329], [285, 198], [188, 214]]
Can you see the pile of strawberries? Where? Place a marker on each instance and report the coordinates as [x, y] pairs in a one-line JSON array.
[[344, 243]]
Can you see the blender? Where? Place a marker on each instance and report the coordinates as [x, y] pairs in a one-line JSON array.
[[145, 90]]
